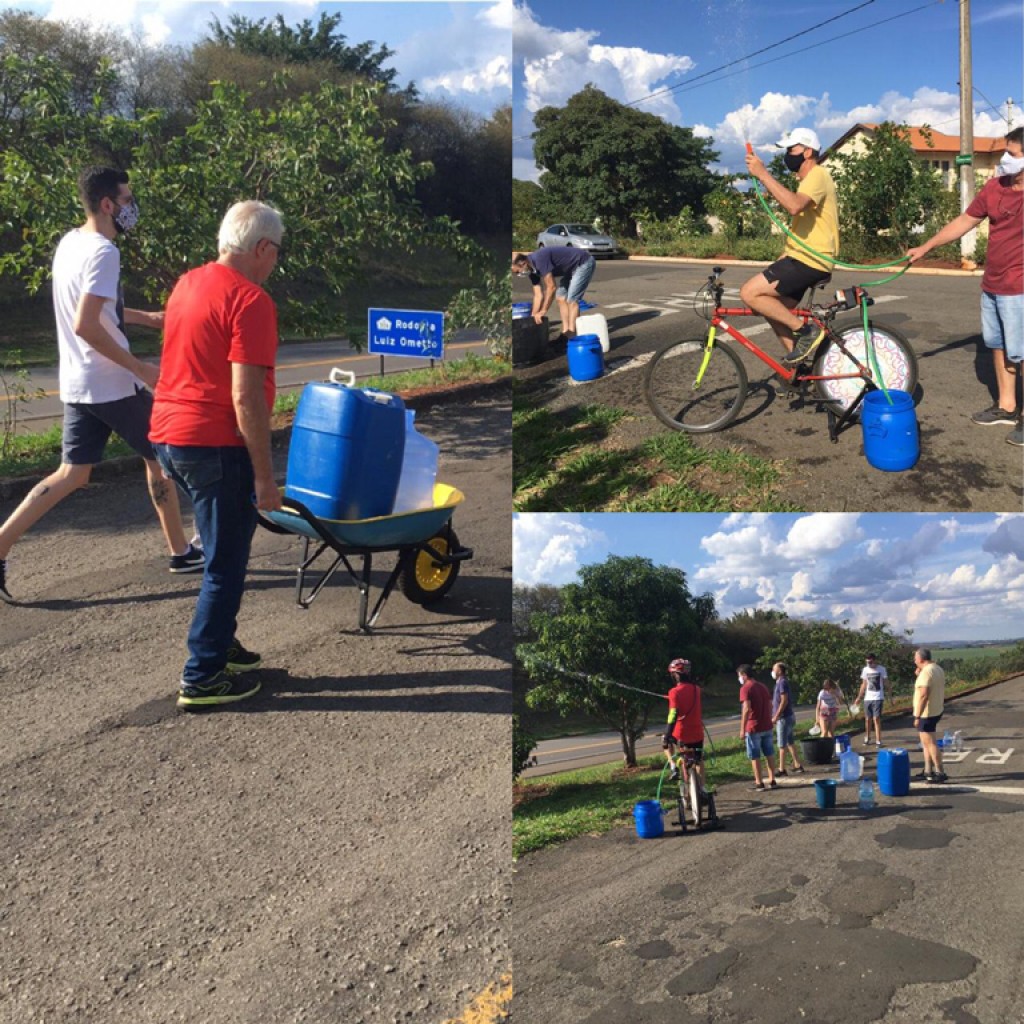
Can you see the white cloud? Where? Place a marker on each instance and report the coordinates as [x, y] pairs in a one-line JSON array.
[[813, 535], [558, 64], [496, 74], [546, 547]]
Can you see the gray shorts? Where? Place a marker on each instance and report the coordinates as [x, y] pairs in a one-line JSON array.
[[572, 286], [785, 732], [872, 709], [88, 426]]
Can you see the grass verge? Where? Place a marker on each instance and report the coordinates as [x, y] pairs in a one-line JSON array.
[[591, 801], [579, 460], [31, 454]]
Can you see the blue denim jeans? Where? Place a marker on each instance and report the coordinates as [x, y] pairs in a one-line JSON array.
[[220, 483]]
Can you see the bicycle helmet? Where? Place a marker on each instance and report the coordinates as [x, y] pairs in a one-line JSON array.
[[679, 666]]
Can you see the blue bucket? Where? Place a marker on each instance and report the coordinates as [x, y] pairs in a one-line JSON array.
[[649, 818], [891, 441], [825, 793], [842, 742], [521, 309], [894, 772], [586, 360]]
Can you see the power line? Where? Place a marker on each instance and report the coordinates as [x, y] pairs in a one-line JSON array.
[[740, 60]]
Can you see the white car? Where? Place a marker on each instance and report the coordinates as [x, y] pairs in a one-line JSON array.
[[579, 235]]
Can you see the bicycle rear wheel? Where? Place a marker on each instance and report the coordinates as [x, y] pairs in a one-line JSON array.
[[696, 804], [675, 397], [681, 803], [895, 357]]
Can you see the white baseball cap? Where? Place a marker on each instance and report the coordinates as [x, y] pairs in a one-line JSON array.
[[801, 137]]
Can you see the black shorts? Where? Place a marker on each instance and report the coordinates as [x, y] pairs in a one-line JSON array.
[[88, 426], [697, 750], [794, 277]]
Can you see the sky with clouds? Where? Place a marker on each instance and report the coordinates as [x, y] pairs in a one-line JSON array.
[[655, 52], [945, 576], [458, 51]]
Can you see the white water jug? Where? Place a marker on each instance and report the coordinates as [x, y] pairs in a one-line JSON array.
[[594, 323], [419, 469]]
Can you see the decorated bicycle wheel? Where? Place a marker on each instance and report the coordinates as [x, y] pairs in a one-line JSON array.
[[696, 804], [895, 358]]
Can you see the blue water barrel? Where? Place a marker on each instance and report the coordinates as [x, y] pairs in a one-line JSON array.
[[521, 309], [891, 441], [586, 360], [649, 819], [345, 456], [894, 772]]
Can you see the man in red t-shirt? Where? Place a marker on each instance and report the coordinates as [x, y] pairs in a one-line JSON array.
[[756, 724], [210, 429], [685, 720], [1002, 287]]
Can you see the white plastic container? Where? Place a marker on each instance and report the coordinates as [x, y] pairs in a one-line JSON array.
[[850, 766], [594, 323], [419, 469]]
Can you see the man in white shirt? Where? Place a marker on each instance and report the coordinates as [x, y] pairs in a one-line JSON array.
[[102, 385], [873, 678]]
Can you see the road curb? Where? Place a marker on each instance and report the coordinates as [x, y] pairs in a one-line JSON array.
[[15, 488]]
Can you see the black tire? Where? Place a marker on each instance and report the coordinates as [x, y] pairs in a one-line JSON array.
[[896, 360], [696, 804], [712, 813], [681, 806], [424, 580], [669, 387]]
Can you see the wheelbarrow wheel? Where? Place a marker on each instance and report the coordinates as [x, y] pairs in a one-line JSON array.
[[423, 579]]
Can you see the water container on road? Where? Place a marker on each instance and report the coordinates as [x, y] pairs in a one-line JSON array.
[[894, 772], [649, 818], [585, 358], [891, 441]]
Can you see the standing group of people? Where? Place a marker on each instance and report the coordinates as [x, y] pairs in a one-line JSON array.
[[200, 421], [764, 712], [808, 257]]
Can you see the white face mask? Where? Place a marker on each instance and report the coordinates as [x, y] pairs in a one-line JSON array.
[[1010, 164], [775, 675]]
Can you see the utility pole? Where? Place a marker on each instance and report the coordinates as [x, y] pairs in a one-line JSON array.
[[965, 159]]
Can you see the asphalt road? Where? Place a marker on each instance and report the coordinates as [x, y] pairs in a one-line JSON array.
[[335, 849], [571, 752], [911, 912], [962, 467], [297, 365]]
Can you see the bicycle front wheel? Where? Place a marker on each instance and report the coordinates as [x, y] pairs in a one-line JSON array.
[[895, 357], [696, 804], [687, 392]]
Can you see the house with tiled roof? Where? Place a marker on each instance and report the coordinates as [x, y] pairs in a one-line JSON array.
[[935, 149]]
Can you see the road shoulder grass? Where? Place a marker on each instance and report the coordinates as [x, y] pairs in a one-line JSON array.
[[581, 459]]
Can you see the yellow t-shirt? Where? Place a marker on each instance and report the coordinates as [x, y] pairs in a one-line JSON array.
[[818, 224], [932, 679]]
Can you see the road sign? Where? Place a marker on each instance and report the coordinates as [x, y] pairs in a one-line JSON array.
[[964, 158], [405, 332]]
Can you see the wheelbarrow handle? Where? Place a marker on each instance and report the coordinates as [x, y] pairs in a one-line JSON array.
[[296, 506]]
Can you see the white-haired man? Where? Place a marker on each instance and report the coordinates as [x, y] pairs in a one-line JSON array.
[[776, 291], [211, 432]]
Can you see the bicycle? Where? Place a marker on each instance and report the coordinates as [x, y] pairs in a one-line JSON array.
[[700, 386], [693, 799]]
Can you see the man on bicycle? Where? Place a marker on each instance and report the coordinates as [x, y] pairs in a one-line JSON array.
[[815, 212], [685, 721]]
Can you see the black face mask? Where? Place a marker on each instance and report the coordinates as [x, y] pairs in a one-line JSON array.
[[794, 161]]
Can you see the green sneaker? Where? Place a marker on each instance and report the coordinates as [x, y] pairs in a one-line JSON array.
[[1016, 436], [241, 660], [805, 341], [224, 688]]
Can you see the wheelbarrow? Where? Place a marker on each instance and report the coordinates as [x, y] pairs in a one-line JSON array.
[[429, 552]]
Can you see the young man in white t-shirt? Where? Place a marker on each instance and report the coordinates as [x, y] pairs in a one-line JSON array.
[[873, 678], [102, 385]]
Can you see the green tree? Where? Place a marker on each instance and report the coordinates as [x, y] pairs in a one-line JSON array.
[[522, 748], [885, 192], [816, 650], [604, 159], [622, 622], [306, 44]]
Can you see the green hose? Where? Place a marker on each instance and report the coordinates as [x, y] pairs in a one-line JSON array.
[[869, 347], [829, 259]]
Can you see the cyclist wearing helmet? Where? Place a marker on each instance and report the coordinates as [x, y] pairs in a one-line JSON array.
[[685, 721]]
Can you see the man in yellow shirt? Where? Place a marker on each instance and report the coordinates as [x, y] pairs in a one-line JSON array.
[[929, 696], [815, 212]]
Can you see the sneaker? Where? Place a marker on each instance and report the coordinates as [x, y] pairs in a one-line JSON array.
[[1016, 436], [806, 340], [867, 742], [192, 561], [995, 417], [241, 660], [922, 775], [4, 593], [673, 776], [224, 688], [878, 743], [937, 777]]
